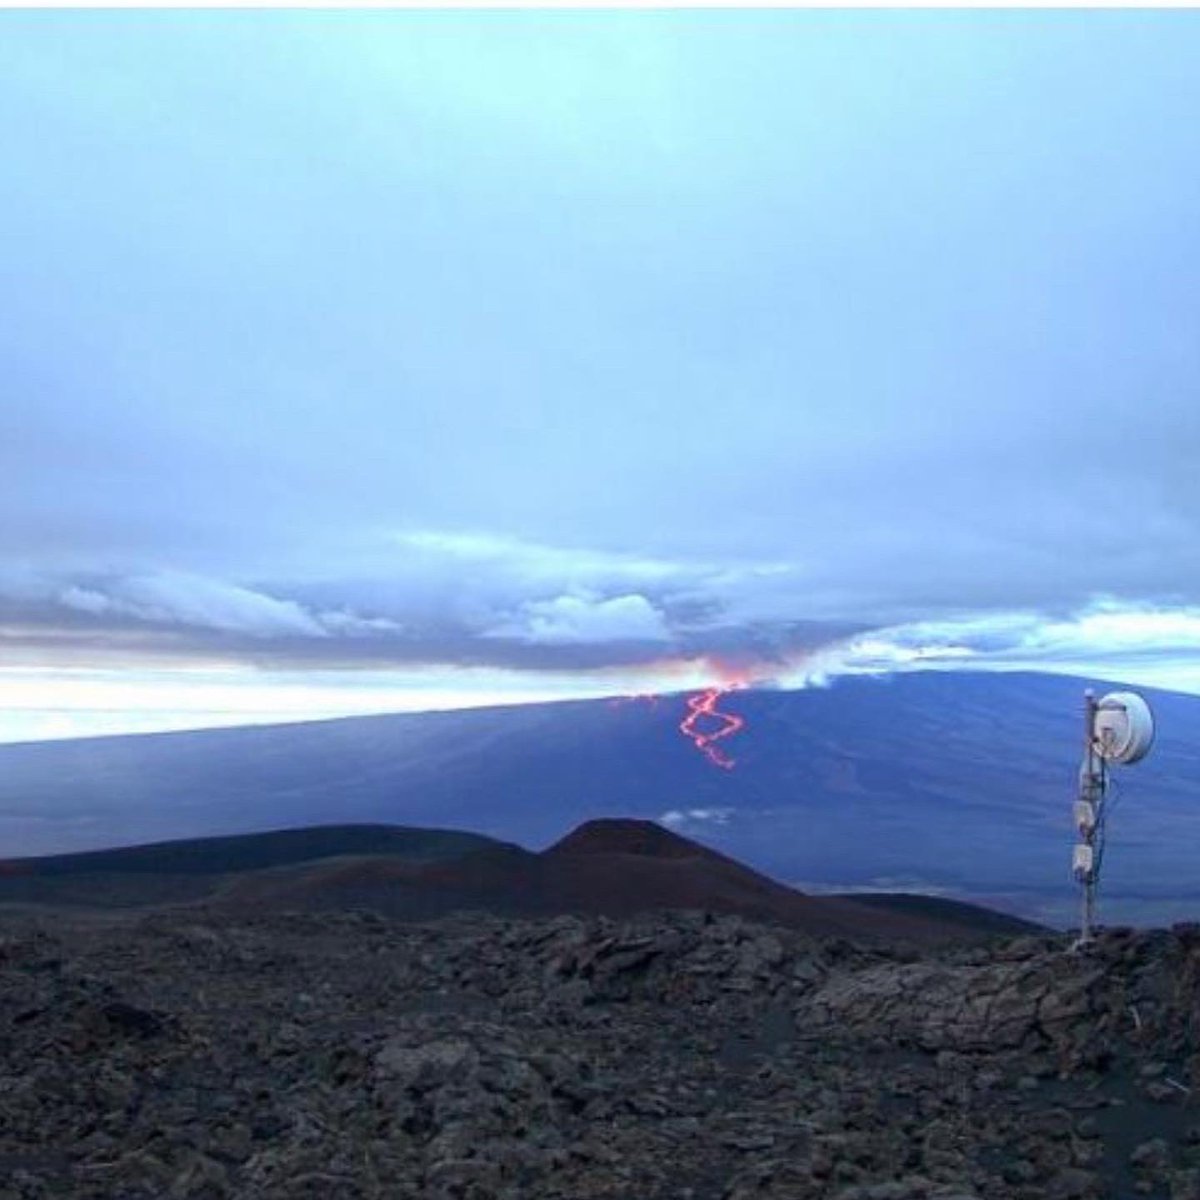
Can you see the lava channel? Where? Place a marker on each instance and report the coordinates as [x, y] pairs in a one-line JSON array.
[[704, 704]]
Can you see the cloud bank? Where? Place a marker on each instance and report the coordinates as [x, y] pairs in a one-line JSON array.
[[509, 606], [768, 341]]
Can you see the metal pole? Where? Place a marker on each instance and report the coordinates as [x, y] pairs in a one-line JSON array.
[[1091, 794]]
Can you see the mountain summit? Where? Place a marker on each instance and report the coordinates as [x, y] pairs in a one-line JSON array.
[[627, 835]]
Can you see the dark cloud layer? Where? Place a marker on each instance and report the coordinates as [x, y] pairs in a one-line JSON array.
[[181, 619]]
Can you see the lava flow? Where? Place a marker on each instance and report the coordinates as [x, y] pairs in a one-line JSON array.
[[704, 704]]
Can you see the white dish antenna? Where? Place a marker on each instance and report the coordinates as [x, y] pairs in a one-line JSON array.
[[1123, 728], [1118, 728]]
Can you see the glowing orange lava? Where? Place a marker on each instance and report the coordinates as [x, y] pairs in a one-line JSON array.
[[704, 704]]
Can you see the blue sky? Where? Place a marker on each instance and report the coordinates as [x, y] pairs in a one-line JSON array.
[[370, 360]]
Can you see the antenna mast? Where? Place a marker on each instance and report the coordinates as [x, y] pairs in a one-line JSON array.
[[1120, 729], [1089, 817]]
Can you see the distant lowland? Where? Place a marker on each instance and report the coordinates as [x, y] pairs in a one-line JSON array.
[[908, 796]]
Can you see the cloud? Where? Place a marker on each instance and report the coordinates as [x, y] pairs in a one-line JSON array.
[[482, 578], [351, 625], [507, 604], [182, 604], [1106, 633], [175, 598], [428, 598], [676, 818], [1112, 628], [570, 619]]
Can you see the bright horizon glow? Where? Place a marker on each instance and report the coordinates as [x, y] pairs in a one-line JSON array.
[[1103, 642], [48, 704]]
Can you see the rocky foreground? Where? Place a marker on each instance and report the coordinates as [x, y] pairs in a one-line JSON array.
[[679, 1057]]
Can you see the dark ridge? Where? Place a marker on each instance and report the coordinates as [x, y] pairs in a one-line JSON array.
[[943, 909], [255, 851], [614, 867]]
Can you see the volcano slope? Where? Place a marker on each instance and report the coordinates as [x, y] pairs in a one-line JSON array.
[[907, 781], [196, 1053]]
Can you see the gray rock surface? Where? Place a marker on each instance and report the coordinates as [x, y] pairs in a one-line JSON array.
[[186, 1054]]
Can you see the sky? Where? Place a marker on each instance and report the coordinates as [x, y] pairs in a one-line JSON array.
[[361, 361]]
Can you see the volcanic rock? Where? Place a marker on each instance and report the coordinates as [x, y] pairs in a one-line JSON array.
[[199, 1053]]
